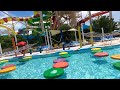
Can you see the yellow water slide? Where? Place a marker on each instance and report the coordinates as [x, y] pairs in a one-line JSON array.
[[36, 12], [9, 29], [7, 19]]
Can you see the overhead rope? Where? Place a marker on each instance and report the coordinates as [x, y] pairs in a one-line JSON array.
[[12, 17], [49, 37], [34, 44], [56, 40]]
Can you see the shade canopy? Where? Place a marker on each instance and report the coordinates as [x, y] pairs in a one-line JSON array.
[[54, 32], [73, 29]]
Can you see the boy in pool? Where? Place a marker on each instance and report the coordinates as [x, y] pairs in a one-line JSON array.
[[23, 51]]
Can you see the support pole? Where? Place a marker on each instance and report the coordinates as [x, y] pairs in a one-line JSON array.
[[42, 26], [14, 46], [79, 33], [82, 31], [0, 49], [27, 35], [91, 32], [83, 34], [75, 36], [63, 43], [41, 21], [102, 34], [110, 14], [14, 34], [45, 39], [16, 41], [50, 39]]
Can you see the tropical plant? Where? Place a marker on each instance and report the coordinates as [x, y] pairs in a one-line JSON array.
[[104, 22], [65, 27]]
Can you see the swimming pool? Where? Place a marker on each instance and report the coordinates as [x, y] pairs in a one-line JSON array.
[[82, 65]]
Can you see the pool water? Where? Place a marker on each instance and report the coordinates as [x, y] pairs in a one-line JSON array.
[[82, 65]]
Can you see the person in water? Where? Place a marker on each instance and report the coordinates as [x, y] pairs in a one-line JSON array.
[[40, 49], [23, 51], [30, 50]]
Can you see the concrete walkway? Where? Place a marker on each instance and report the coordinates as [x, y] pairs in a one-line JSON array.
[[115, 41]]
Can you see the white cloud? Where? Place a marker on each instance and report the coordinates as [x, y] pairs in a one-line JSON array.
[[2, 15], [116, 15], [32, 15], [19, 26]]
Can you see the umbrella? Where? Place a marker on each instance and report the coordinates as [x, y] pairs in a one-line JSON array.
[[73, 29], [21, 44]]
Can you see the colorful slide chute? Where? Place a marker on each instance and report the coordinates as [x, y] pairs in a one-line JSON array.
[[35, 21], [9, 29], [93, 15], [7, 19]]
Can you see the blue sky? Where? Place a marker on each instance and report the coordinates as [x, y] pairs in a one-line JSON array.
[[22, 13], [115, 14]]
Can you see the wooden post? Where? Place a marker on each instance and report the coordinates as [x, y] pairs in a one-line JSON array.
[[0, 49], [83, 34], [79, 33], [91, 32], [14, 34], [14, 46], [42, 26], [110, 14]]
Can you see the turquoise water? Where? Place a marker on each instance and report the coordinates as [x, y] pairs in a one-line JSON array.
[[82, 65]]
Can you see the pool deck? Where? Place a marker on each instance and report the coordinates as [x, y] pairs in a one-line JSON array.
[[116, 41]]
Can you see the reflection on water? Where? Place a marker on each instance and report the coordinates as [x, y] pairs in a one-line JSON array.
[[64, 76], [99, 62], [20, 63], [5, 76]]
